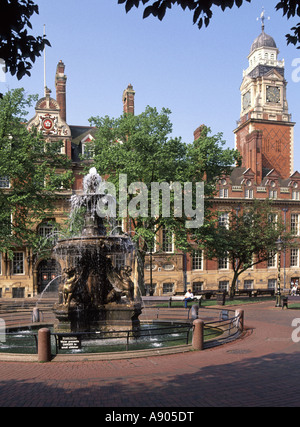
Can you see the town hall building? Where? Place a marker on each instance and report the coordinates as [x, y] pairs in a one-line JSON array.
[[265, 138]]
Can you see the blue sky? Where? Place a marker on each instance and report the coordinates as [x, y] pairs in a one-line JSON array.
[[195, 73]]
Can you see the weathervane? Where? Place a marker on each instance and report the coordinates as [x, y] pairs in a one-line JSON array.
[[262, 18]]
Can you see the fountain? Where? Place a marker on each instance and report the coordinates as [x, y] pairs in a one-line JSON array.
[[95, 294]]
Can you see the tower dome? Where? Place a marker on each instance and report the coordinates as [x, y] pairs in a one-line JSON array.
[[263, 40]]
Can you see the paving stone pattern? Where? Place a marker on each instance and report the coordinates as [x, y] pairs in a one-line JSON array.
[[261, 369]]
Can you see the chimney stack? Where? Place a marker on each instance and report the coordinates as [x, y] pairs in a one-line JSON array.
[[60, 84], [128, 100], [198, 131]]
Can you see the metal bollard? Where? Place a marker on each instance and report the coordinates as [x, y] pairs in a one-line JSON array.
[[44, 345], [198, 335], [36, 315], [194, 312]]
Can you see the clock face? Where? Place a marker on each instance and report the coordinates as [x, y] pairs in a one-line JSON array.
[[47, 124], [246, 100], [273, 94]]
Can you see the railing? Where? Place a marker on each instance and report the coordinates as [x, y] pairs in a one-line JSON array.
[[120, 340], [227, 324], [230, 328], [19, 342]]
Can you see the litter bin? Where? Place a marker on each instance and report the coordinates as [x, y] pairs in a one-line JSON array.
[[284, 302], [221, 296]]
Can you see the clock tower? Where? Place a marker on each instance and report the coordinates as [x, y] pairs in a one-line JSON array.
[[264, 135]]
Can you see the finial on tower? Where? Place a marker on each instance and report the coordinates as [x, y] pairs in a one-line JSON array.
[[262, 19]]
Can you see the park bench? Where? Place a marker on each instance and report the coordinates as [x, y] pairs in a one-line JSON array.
[[197, 298], [170, 299], [256, 292], [247, 292]]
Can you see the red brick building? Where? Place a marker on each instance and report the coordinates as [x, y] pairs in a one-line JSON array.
[[264, 136]]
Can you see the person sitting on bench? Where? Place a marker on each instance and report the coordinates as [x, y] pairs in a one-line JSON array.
[[188, 297]]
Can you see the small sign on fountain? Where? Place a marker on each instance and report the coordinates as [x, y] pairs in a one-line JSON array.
[[69, 342]]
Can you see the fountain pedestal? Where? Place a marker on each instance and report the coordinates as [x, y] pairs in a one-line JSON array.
[[107, 317]]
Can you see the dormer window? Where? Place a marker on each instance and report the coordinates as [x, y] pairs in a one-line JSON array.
[[248, 193], [223, 193], [273, 194], [87, 147]]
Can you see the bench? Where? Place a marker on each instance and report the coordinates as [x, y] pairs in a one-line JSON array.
[[256, 292], [247, 292], [169, 299], [221, 297], [196, 298]]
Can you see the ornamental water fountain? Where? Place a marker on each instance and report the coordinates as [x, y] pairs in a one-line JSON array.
[[94, 293], [97, 308]]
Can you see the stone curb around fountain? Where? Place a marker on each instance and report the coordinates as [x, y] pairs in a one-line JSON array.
[[14, 357]]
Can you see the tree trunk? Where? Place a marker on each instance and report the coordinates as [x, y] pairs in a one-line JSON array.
[[233, 285], [141, 272]]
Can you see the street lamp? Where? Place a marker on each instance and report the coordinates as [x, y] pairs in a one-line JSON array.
[[279, 245]]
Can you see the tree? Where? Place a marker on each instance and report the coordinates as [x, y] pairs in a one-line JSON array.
[[202, 10], [246, 237], [32, 173], [139, 147], [18, 48]]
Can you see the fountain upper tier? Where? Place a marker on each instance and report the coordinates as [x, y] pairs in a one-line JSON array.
[[102, 244]]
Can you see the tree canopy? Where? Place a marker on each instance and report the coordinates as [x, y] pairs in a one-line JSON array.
[[202, 10], [18, 48], [244, 235], [140, 148], [32, 173]]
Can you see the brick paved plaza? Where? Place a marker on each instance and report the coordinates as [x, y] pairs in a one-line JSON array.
[[261, 369]]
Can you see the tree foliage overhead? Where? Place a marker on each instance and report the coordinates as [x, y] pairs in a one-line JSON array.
[[202, 10], [18, 48]]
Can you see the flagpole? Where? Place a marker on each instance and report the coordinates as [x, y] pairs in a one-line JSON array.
[[45, 61]]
